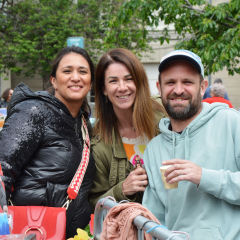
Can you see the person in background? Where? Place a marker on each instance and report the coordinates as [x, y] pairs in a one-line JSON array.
[[7, 94], [207, 92], [41, 142], [217, 92], [127, 119], [201, 148]]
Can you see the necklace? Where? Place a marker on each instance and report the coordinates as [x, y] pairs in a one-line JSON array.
[[126, 132]]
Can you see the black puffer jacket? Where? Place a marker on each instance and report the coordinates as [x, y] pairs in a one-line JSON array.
[[41, 149]]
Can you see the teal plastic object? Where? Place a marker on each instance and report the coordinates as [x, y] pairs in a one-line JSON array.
[[4, 227]]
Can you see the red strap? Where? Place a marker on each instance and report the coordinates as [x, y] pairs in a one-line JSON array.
[[78, 177], [1, 175]]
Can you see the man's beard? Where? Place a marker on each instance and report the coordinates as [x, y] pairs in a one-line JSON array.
[[182, 113]]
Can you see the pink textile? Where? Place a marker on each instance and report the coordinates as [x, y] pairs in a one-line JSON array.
[[118, 224]]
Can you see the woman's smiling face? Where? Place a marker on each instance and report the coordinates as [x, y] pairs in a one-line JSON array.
[[119, 87], [73, 79]]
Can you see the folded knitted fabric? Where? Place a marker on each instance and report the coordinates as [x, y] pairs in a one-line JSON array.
[[118, 224]]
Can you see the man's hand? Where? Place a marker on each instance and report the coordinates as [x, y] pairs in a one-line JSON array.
[[135, 182], [182, 170]]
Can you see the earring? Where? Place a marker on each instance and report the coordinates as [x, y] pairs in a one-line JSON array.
[[106, 98]]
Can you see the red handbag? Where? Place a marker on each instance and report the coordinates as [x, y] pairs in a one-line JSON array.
[[49, 223], [46, 222]]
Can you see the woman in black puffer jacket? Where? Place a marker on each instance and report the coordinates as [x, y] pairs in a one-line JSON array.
[[41, 142]]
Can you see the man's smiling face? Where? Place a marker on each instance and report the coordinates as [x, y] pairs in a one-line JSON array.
[[181, 90]]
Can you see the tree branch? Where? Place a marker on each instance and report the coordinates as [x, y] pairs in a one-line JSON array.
[[202, 12], [190, 6]]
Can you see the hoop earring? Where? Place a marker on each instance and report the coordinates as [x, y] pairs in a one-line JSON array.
[[106, 98]]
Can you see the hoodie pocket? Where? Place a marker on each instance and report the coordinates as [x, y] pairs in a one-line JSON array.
[[206, 233]]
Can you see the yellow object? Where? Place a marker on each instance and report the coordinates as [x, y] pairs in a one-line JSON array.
[[82, 235]]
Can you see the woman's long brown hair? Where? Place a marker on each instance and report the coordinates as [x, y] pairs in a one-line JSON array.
[[143, 115]]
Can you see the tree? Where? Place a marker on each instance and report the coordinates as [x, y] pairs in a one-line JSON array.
[[33, 32], [212, 32]]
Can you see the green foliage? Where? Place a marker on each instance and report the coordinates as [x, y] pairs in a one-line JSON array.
[[87, 229], [212, 32], [33, 32]]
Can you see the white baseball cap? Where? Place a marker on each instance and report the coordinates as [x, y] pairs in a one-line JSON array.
[[184, 55]]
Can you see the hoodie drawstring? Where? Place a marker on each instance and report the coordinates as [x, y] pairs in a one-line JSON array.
[[173, 148], [186, 157], [187, 144]]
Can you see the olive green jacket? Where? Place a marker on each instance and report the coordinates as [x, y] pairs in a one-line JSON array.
[[112, 168]]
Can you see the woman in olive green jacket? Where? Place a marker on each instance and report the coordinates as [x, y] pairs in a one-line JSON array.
[[127, 120]]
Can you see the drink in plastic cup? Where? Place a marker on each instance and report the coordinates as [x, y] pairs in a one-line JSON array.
[[3, 114], [2, 120], [166, 184]]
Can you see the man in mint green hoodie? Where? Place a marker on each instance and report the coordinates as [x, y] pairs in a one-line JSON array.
[[201, 142]]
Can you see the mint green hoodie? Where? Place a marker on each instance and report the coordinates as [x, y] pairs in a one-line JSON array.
[[212, 141]]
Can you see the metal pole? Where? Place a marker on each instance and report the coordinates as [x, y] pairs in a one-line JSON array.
[[209, 75], [140, 222], [159, 232], [209, 79]]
